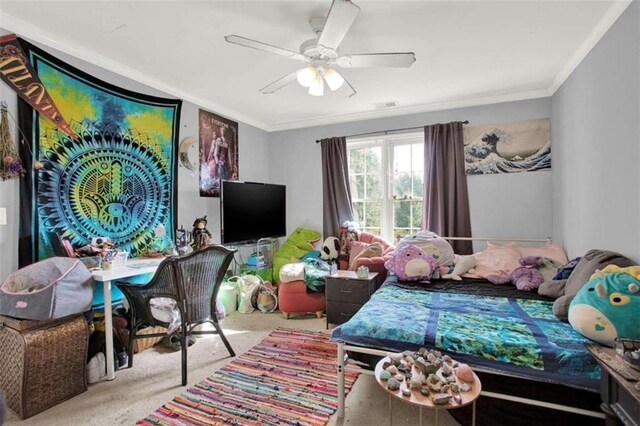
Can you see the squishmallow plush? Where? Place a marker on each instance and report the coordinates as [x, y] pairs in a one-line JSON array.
[[410, 263], [607, 306]]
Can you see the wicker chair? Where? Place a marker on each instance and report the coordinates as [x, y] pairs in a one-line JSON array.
[[193, 281]]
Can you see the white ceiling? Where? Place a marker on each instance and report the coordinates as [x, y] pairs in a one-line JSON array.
[[468, 52]]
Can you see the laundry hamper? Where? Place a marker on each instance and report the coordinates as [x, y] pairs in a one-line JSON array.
[[43, 362]]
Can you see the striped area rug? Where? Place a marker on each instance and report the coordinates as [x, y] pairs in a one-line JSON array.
[[287, 379]]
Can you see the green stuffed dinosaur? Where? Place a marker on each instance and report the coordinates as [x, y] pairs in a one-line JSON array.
[[297, 245]]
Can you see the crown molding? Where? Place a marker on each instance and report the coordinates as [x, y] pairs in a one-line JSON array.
[[414, 109], [29, 31], [601, 28]]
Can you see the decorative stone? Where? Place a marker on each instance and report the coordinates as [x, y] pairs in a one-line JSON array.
[[404, 368], [415, 383], [431, 357], [446, 358], [406, 392], [392, 369], [393, 384], [399, 377], [434, 383], [425, 391], [465, 387], [441, 398], [386, 365], [446, 369], [465, 373], [385, 375], [455, 388], [408, 376], [450, 379]]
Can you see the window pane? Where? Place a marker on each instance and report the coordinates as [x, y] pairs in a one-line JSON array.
[[374, 159], [356, 160], [401, 214], [402, 185], [373, 214], [416, 221], [357, 191], [374, 188], [417, 184], [402, 158], [358, 211], [417, 157]]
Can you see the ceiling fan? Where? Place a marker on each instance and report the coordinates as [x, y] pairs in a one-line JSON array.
[[321, 54]]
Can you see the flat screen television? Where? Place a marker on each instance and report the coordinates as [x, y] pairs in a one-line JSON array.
[[250, 211]]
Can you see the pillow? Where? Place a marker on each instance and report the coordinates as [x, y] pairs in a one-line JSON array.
[[410, 263], [607, 306], [292, 272], [356, 248], [594, 259], [498, 259], [431, 244], [552, 251], [372, 250]]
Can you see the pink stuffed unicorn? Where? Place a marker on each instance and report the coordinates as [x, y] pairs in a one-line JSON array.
[[526, 277]]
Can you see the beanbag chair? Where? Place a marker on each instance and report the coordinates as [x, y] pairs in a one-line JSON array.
[[607, 306], [410, 263]]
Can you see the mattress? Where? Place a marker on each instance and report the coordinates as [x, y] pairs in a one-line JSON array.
[[497, 328]]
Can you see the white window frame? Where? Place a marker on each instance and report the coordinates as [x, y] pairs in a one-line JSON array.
[[387, 144]]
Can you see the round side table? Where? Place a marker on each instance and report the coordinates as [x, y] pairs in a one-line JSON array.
[[416, 398]]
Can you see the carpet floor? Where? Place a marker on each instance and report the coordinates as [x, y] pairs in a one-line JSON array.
[[155, 379]]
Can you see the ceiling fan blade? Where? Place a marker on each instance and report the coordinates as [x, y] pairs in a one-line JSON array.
[[348, 89], [279, 84], [258, 45], [377, 60], [341, 16]]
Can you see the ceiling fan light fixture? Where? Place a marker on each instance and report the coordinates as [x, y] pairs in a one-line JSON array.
[[333, 78], [317, 86], [306, 76]]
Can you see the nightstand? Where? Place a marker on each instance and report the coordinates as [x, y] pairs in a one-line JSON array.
[[620, 398], [346, 293]]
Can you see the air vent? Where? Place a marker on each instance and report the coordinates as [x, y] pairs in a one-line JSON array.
[[385, 105]]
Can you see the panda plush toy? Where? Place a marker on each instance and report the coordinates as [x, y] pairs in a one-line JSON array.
[[330, 249]]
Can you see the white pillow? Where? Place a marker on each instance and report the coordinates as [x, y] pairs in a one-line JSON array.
[[292, 272]]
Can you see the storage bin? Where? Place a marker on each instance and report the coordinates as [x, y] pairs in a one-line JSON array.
[[43, 362]]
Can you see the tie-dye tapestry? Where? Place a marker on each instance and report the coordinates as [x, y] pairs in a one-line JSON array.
[[118, 180]]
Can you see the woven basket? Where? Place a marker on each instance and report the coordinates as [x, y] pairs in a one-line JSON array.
[[140, 345], [43, 362]]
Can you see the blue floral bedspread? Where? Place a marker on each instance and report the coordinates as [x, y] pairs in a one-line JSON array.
[[519, 337]]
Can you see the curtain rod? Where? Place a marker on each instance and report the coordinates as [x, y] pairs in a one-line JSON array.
[[386, 132]]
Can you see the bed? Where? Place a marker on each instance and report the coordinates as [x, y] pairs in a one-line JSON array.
[[520, 351]]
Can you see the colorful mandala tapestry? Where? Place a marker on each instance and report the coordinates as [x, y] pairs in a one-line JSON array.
[[117, 180]]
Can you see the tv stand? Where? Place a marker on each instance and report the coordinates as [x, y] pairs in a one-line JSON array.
[[259, 262]]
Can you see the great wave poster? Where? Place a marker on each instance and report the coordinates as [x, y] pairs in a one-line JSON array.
[[519, 146]]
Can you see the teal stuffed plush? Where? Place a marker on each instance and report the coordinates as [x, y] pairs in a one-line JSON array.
[[608, 305]]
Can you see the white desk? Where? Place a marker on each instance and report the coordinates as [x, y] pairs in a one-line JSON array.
[[133, 268]]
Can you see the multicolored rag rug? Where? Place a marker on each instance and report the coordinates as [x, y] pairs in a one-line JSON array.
[[287, 379]]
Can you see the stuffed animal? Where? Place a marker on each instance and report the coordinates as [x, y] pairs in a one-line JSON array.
[[410, 263], [431, 244], [607, 306], [462, 265], [299, 243], [330, 249], [201, 237], [526, 277]]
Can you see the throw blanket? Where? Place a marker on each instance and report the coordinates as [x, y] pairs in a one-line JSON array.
[[520, 337], [314, 272]]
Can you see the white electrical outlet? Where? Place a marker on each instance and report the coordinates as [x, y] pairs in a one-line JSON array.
[[3, 215]]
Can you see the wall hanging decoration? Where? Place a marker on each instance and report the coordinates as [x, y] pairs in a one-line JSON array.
[[521, 146], [218, 152], [19, 74], [10, 163], [118, 180]]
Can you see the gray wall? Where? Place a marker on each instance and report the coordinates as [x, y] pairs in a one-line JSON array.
[[596, 139], [507, 205], [253, 154]]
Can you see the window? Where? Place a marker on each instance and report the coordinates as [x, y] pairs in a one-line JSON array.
[[385, 175]]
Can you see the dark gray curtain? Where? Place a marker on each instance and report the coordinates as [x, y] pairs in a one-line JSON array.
[[445, 197], [336, 194]]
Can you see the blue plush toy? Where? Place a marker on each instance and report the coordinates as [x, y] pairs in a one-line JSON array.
[[608, 305]]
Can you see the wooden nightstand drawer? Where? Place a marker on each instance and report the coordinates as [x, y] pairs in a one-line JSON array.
[[340, 312], [350, 291]]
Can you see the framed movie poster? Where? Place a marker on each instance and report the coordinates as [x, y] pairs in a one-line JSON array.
[[218, 152]]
